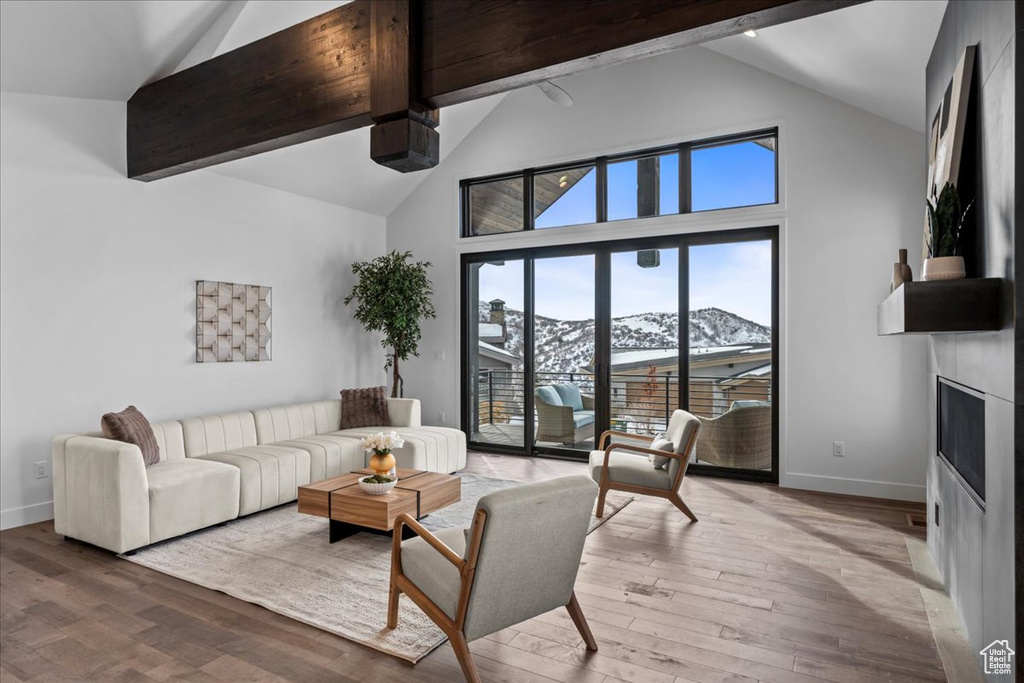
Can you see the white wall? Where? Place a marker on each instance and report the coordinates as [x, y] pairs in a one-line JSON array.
[[97, 288], [851, 187]]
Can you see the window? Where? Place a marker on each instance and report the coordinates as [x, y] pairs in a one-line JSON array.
[[648, 186], [733, 174], [704, 175], [496, 206], [565, 197]]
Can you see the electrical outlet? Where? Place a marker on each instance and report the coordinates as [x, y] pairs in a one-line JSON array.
[[40, 468], [439, 356], [838, 449], [440, 416]]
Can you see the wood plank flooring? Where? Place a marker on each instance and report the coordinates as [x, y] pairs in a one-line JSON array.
[[771, 585]]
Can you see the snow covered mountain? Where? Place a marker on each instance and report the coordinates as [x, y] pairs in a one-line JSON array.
[[567, 345]]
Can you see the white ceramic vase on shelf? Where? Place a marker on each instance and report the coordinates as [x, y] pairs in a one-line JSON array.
[[944, 268]]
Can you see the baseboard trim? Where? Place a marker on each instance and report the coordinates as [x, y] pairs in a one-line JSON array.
[[30, 514], [854, 487]]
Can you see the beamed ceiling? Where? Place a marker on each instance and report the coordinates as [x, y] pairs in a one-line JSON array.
[[869, 56]]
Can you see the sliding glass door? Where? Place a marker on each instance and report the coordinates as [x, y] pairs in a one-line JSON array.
[[564, 389], [731, 358], [496, 385], [644, 348], [563, 343]]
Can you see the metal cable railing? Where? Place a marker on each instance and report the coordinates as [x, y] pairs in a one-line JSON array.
[[639, 403]]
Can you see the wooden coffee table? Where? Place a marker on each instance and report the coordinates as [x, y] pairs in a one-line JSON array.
[[350, 510]]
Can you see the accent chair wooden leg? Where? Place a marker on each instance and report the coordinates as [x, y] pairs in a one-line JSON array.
[[462, 653], [600, 501], [576, 612], [678, 502], [393, 594]]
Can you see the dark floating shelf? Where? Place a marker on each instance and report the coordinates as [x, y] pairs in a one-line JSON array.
[[942, 306]]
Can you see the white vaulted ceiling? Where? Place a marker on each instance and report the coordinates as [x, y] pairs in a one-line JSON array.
[[871, 56]]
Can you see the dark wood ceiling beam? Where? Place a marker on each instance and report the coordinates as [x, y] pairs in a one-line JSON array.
[[475, 48], [322, 77], [306, 82], [403, 136]]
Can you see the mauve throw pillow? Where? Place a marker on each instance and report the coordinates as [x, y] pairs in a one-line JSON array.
[[364, 408], [131, 426]]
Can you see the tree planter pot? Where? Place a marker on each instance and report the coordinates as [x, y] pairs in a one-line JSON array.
[[944, 268]]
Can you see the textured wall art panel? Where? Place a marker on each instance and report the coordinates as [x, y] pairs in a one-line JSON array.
[[232, 322]]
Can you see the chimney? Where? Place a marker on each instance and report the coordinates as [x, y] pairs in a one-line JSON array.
[[498, 315]]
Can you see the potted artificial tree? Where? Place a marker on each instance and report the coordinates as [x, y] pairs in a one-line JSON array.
[[945, 225], [392, 297]]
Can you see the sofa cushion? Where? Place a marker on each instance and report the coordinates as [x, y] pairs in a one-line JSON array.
[[131, 426], [329, 454], [581, 418], [364, 407], [281, 423], [430, 572], [629, 468], [170, 439], [434, 449], [548, 395], [270, 475], [569, 394], [188, 494], [218, 433]]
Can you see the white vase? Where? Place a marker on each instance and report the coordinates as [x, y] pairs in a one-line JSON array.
[[944, 268]]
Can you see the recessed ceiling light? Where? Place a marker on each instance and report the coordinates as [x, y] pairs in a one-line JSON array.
[[750, 33], [563, 181]]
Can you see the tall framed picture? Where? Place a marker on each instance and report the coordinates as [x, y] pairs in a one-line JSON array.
[[947, 131]]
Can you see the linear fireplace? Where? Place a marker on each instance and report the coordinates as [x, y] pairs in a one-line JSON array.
[[961, 424]]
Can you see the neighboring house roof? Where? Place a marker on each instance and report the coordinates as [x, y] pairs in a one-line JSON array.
[[493, 352], [498, 205], [752, 373], [623, 360]]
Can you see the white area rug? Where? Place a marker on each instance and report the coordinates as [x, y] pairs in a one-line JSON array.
[[282, 560]]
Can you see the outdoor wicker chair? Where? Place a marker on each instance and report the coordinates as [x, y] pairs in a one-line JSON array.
[[564, 415], [740, 438]]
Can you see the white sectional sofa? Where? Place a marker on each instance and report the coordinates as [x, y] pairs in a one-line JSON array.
[[216, 468]]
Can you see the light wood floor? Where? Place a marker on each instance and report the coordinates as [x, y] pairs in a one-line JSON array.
[[771, 585]]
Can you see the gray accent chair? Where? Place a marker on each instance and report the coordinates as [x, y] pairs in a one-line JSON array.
[[741, 437], [630, 467], [564, 415], [518, 559]]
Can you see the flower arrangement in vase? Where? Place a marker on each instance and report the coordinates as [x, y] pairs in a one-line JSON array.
[[381, 444]]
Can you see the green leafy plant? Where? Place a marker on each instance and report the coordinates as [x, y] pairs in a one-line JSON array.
[[945, 222], [393, 297]]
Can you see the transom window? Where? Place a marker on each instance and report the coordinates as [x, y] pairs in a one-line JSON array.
[[703, 175]]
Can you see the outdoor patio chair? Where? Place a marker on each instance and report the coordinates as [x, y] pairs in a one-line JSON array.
[[564, 415], [741, 437]]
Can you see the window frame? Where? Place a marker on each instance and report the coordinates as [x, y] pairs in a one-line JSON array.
[[600, 164]]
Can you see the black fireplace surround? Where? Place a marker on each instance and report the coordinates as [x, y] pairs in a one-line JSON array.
[[961, 438]]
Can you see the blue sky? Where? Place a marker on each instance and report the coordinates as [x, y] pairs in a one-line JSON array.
[[733, 277]]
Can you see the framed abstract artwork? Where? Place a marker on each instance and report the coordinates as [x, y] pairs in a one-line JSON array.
[[947, 132], [232, 322]]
